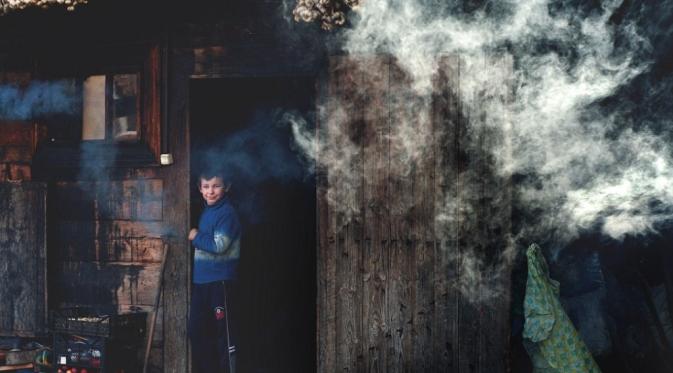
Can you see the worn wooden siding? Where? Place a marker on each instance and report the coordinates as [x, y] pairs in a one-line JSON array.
[[23, 310], [18, 138], [480, 329], [106, 240], [388, 289]]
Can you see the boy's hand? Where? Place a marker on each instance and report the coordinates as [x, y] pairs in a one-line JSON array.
[[192, 234]]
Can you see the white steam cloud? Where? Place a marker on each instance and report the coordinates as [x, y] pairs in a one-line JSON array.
[[577, 166], [334, 151]]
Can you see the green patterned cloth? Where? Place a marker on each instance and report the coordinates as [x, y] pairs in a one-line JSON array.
[[550, 337]]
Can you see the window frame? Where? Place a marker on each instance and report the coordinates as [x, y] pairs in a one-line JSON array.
[[146, 149], [108, 91]]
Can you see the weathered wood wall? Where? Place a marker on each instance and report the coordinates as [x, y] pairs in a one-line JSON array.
[[96, 235], [106, 241], [389, 277], [111, 227], [23, 305]]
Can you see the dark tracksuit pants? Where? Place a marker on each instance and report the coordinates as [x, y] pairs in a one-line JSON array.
[[209, 312]]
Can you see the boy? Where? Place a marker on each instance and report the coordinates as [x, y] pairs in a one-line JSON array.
[[217, 251]]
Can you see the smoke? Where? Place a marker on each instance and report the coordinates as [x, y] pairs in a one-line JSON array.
[[97, 163], [586, 168], [38, 99], [249, 158], [582, 132], [255, 154], [335, 151]]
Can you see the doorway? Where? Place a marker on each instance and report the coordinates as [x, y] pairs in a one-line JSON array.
[[241, 125]]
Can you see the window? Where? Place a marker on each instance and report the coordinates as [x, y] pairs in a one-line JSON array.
[[111, 107], [117, 108]]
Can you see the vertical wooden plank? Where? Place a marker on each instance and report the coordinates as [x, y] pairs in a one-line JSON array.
[[4, 172], [350, 261], [400, 290], [468, 187], [177, 276], [495, 224], [40, 237], [326, 265], [151, 101], [348, 219], [421, 215], [479, 225], [446, 122], [23, 268], [376, 207]]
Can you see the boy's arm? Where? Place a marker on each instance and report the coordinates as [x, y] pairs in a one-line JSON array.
[[215, 243], [219, 240]]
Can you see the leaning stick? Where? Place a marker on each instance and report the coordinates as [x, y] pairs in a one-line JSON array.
[[153, 318]]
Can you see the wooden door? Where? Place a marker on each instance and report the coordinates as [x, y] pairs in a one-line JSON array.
[[413, 223]]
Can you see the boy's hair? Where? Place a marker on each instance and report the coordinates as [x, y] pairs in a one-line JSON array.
[[208, 174]]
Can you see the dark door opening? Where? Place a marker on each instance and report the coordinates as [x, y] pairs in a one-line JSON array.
[[238, 123]]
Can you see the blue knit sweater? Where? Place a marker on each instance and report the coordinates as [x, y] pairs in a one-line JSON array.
[[218, 244]]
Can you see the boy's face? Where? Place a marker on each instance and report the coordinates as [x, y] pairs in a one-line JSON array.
[[212, 190]]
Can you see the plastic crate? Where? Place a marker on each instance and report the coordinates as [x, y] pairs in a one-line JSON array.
[[82, 321]]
